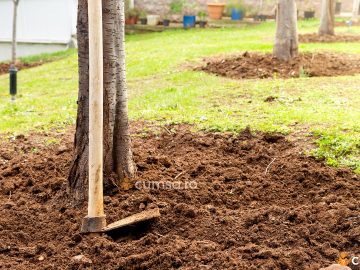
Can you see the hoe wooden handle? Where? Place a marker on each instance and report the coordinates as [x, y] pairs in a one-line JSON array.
[[95, 207]]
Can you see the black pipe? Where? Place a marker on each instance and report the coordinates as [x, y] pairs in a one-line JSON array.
[[13, 81]]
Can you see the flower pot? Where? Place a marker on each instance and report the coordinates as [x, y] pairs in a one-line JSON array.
[[338, 8], [131, 20], [166, 22], [143, 21], [153, 19], [261, 18], [189, 21], [202, 24], [236, 14], [309, 14], [216, 10]]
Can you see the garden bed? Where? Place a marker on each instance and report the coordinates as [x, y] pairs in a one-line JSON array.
[[262, 66], [259, 204], [4, 67], [315, 38]]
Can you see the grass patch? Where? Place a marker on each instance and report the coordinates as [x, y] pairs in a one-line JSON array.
[[163, 89]]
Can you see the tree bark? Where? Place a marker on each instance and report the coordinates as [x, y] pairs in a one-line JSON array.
[[124, 165], [14, 32], [79, 169], [117, 143], [355, 12], [327, 21], [286, 39]]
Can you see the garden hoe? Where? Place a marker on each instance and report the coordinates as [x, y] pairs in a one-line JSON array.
[[95, 221]]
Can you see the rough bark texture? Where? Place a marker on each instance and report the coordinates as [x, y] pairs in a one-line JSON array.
[[79, 169], [355, 12], [286, 39], [327, 20], [111, 67], [14, 39], [117, 143], [124, 166]]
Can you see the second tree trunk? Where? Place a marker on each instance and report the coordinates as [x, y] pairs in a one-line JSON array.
[[327, 20], [286, 39]]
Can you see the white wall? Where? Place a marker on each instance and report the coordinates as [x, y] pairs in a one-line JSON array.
[[39, 21]]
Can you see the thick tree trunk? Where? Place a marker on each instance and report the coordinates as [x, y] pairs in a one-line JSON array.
[[327, 21], [124, 166], [14, 38], [355, 12], [79, 170], [286, 39], [117, 144]]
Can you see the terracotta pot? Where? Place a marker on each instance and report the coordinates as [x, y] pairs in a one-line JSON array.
[[216, 10], [131, 20]]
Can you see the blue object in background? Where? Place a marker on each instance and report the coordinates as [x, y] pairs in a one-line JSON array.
[[236, 14], [189, 21]]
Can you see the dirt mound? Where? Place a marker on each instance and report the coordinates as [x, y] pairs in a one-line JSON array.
[[4, 67], [254, 202], [315, 38], [262, 66]]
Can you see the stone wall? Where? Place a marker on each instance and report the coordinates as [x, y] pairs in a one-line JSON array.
[[162, 7]]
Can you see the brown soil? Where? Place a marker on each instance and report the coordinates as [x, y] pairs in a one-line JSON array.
[[315, 38], [4, 67], [259, 204], [262, 66]]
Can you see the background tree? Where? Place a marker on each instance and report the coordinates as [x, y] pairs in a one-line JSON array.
[[327, 20], [14, 38], [286, 39], [355, 12], [117, 143]]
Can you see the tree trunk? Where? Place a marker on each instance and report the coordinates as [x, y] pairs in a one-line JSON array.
[[327, 21], [14, 39], [286, 39], [355, 12], [124, 165], [79, 170], [117, 143]]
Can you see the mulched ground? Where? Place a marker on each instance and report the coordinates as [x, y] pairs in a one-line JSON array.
[[259, 204], [315, 38], [4, 67], [262, 66]]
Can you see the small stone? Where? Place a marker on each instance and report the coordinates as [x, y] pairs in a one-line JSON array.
[[62, 149], [248, 183], [8, 205], [211, 208], [336, 267], [82, 259], [41, 258], [162, 204]]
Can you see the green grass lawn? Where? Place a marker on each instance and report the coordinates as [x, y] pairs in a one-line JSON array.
[[163, 88]]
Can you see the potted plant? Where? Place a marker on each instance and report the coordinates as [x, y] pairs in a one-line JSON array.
[[338, 7], [202, 19], [216, 9], [176, 8], [189, 18], [143, 18], [309, 12], [166, 20], [236, 10], [131, 16]]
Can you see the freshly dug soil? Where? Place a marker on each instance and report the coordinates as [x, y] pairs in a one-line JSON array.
[[258, 204], [262, 66], [4, 67], [315, 38]]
